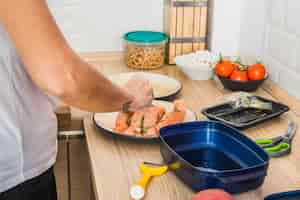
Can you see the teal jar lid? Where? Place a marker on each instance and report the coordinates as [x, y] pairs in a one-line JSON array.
[[145, 37]]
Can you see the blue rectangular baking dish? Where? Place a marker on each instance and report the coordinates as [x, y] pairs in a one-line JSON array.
[[210, 154], [292, 195]]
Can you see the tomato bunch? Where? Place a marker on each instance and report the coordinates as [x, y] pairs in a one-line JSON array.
[[236, 71]]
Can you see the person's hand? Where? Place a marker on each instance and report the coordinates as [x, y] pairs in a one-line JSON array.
[[141, 91]]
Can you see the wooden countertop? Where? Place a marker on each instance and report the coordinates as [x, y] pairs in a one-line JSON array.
[[114, 162]]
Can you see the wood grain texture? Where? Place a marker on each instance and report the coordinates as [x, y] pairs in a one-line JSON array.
[[114, 162], [80, 170], [170, 22], [60, 171], [63, 114], [179, 29], [184, 22], [282, 95], [203, 26], [188, 27], [197, 25], [113, 180]]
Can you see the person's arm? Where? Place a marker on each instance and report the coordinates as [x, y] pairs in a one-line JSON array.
[[54, 66]]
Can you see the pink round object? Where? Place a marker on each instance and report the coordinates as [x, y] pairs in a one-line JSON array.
[[212, 194]]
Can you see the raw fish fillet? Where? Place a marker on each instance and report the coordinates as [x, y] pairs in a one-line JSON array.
[[147, 118], [122, 122], [147, 122], [175, 117]]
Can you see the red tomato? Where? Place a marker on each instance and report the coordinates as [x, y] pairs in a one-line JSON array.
[[224, 68], [256, 72], [213, 194], [236, 66], [238, 75]]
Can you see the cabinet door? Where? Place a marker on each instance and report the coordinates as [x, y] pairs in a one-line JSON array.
[[79, 171], [61, 170]]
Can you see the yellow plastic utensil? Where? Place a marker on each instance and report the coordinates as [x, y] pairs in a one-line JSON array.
[[148, 170]]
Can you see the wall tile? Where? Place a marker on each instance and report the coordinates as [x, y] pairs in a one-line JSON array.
[[281, 42], [273, 68], [252, 42], [266, 41], [282, 46], [293, 16], [290, 81], [225, 25], [278, 12], [298, 57]]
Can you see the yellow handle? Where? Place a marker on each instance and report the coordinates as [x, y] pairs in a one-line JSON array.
[[149, 172], [153, 171], [138, 190], [144, 181]]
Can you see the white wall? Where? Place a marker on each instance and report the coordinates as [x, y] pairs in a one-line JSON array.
[[238, 27], [282, 49], [252, 34], [98, 25], [226, 25], [276, 39]]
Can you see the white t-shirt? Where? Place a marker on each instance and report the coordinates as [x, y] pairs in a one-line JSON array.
[[28, 126]]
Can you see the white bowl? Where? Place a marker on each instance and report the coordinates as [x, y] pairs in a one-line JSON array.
[[197, 73], [198, 65], [200, 71]]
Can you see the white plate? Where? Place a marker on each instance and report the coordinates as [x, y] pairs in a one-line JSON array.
[[164, 87], [106, 121]]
